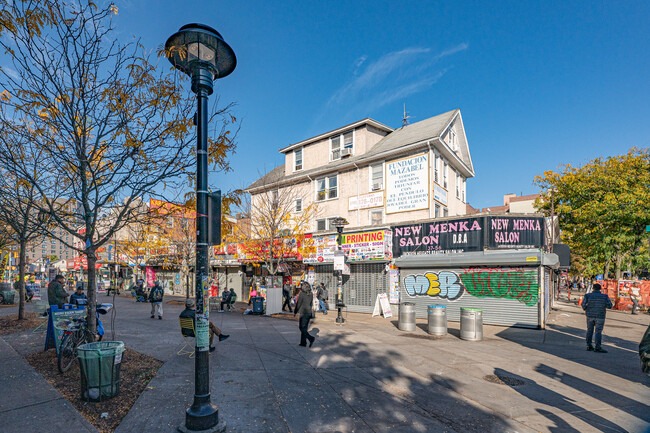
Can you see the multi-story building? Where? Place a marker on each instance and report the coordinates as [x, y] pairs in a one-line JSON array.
[[374, 175], [43, 249]]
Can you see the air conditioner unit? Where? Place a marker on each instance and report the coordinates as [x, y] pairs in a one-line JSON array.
[[376, 186], [346, 152]]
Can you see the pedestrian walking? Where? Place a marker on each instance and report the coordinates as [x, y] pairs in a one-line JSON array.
[[286, 294], [304, 308], [56, 294], [156, 298], [323, 297], [595, 305], [253, 294], [189, 312]]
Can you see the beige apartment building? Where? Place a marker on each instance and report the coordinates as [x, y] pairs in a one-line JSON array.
[[374, 176]]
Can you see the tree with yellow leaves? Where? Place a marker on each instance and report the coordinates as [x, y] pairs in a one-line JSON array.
[[111, 124], [603, 208], [281, 216]]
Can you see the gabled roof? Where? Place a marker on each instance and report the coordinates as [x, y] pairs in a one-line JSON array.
[[366, 121], [414, 137]]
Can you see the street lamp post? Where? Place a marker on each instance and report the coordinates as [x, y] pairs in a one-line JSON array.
[[200, 52], [339, 223]]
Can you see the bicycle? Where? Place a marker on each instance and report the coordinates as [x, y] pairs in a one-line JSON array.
[[78, 334]]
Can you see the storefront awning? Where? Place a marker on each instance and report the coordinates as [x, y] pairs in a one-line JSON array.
[[480, 258]]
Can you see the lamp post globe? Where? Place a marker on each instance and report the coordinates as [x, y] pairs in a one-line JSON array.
[[201, 52], [339, 223]]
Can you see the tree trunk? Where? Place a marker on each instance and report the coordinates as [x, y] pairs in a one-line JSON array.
[[186, 271], [21, 280], [606, 273], [91, 314], [617, 265]]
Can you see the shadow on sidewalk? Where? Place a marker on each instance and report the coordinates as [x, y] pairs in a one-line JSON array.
[[568, 342], [540, 394]]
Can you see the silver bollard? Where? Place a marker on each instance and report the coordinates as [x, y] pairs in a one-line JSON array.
[[437, 319], [471, 324], [406, 320]]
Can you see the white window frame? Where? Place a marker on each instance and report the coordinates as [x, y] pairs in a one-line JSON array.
[[328, 224], [457, 184], [463, 190], [295, 159], [342, 144], [298, 205], [445, 211], [436, 168], [445, 175], [327, 188], [436, 210], [370, 183], [375, 211]]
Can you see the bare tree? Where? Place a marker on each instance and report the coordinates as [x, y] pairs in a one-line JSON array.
[[110, 127], [281, 216], [19, 213]]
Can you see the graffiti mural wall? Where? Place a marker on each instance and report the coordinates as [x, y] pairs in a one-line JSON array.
[[507, 295]]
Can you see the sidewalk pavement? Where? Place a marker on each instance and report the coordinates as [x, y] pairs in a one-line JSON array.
[[367, 376]]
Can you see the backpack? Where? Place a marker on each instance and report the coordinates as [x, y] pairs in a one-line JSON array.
[[156, 294]]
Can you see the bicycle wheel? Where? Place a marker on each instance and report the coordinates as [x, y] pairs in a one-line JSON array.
[[68, 351]]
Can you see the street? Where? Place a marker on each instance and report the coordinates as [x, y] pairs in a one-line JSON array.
[[367, 376]]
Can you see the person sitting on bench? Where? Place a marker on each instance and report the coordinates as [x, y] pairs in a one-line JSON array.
[[188, 313], [225, 298]]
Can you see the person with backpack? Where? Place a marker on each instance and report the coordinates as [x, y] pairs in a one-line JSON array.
[[595, 305], [156, 297]]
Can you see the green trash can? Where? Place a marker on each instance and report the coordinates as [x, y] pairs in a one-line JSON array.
[[7, 297], [100, 369]]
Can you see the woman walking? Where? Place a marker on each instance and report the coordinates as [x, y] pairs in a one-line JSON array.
[[304, 308]]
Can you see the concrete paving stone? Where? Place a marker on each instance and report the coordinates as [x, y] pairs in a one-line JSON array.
[[57, 415]]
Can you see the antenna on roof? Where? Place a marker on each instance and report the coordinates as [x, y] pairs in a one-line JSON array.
[[405, 119]]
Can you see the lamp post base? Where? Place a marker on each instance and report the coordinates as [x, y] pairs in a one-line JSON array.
[[339, 318], [203, 418]]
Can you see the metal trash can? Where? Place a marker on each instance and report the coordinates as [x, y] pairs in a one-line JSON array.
[[406, 316], [100, 369], [437, 319], [258, 305], [471, 324]]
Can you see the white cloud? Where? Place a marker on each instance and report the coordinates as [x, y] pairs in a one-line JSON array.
[[393, 76]]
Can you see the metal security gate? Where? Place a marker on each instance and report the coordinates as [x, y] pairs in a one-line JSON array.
[[508, 296], [360, 288]]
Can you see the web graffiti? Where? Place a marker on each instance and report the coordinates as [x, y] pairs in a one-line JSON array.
[[444, 284]]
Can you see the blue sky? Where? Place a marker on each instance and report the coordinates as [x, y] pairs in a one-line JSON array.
[[539, 84]]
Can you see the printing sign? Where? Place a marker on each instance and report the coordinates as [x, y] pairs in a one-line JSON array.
[[407, 184]]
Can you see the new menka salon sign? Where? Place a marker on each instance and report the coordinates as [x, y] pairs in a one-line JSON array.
[[439, 237]]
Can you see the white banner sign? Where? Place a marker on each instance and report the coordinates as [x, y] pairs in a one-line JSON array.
[[440, 194], [407, 184], [366, 201]]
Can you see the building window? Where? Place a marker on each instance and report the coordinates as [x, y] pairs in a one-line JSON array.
[[325, 224], [452, 139], [437, 211], [297, 154], [326, 188], [376, 217], [298, 205], [436, 168], [335, 145], [463, 190], [336, 150], [377, 177], [445, 168], [457, 185], [445, 211]]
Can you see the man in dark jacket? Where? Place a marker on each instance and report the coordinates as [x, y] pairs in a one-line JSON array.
[[156, 298], [323, 297], [225, 298], [595, 305], [189, 313], [286, 294], [56, 294], [304, 308], [78, 295]]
